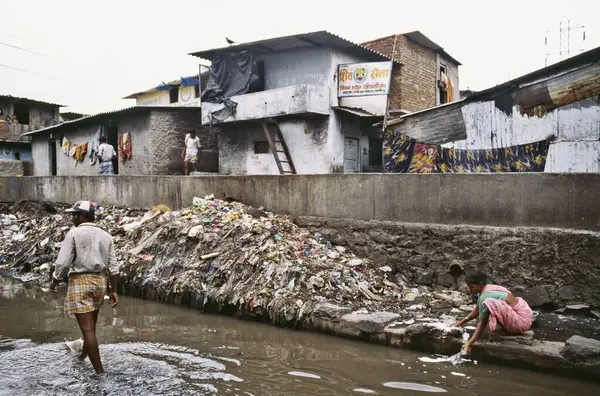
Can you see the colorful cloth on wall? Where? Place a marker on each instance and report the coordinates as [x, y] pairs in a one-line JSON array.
[[125, 147], [403, 154]]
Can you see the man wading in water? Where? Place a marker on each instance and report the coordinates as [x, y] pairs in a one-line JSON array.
[[86, 254]]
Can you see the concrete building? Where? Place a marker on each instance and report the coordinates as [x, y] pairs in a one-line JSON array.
[[560, 101], [18, 116], [181, 92], [156, 135], [428, 76], [293, 98]]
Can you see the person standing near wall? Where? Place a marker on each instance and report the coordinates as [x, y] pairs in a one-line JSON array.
[[106, 154], [190, 152]]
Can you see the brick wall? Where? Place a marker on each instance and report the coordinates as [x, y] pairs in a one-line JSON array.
[[415, 88]]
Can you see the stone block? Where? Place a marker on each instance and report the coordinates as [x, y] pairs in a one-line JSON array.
[[446, 280], [581, 349], [523, 339], [537, 296], [370, 323], [567, 292], [424, 277]]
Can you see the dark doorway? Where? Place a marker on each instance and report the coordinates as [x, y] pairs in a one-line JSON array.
[[375, 152], [52, 156], [112, 138], [174, 95], [21, 111]]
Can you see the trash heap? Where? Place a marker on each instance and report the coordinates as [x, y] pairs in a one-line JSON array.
[[230, 254]]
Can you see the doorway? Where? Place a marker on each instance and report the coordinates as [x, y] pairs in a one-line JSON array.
[[52, 156], [351, 155], [21, 111], [112, 138]]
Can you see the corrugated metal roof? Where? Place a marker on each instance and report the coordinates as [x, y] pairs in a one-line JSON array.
[[586, 58], [27, 100], [92, 117], [357, 112], [273, 45], [174, 82]]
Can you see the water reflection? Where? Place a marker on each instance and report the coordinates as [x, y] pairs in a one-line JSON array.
[[151, 348]]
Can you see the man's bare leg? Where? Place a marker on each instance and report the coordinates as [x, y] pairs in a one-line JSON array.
[[83, 354], [87, 324], [185, 168]]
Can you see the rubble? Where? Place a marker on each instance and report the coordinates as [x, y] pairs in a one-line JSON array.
[[233, 254], [227, 257]]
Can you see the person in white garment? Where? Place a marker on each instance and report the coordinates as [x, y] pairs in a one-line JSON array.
[[106, 154], [190, 152]]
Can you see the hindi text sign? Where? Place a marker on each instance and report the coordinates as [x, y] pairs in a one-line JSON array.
[[362, 79]]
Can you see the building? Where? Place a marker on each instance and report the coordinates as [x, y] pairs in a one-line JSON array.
[[70, 116], [281, 106], [182, 92], [18, 116], [428, 76], [156, 135], [554, 110]]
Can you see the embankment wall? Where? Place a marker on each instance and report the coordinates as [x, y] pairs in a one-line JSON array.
[[502, 200]]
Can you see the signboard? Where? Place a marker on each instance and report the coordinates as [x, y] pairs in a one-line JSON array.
[[363, 79]]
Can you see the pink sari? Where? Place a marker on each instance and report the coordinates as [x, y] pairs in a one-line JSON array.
[[516, 320]]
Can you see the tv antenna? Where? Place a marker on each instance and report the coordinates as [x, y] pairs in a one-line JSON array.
[[564, 40]]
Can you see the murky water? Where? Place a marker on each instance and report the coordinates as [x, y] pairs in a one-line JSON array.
[[155, 349]]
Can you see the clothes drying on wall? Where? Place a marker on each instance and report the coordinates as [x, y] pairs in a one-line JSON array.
[[125, 147], [403, 154]]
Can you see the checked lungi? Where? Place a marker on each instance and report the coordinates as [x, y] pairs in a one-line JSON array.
[[106, 168], [85, 293]]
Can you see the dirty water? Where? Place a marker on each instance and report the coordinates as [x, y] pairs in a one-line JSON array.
[[152, 348]]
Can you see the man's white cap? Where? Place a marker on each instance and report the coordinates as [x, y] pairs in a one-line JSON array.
[[85, 207]]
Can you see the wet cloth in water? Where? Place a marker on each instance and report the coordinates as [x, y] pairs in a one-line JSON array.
[[85, 293], [516, 320]]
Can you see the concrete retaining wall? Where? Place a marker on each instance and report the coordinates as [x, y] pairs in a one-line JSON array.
[[530, 200]]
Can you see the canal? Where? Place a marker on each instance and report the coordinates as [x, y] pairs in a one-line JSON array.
[[154, 349]]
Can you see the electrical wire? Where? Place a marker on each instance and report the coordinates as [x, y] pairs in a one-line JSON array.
[[31, 72], [26, 50]]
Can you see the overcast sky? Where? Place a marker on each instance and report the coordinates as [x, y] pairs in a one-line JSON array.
[[88, 55]]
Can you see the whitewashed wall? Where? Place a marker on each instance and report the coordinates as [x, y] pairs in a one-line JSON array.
[[576, 128]]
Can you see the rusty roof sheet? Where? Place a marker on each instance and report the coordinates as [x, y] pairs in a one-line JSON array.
[[99, 116], [19, 99], [320, 39]]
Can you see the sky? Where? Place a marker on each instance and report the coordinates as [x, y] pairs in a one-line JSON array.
[[88, 55]]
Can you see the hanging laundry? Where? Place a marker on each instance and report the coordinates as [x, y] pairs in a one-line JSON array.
[[80, 152], [72, 150], [65, 145], [93, 146], [403, 154], [125, 147], [450, 91]]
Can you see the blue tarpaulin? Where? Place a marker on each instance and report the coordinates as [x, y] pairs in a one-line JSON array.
[[165, 87], [189, 81]]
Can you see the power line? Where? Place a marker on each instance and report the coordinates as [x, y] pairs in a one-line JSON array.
[[26, 50], [31, 72]]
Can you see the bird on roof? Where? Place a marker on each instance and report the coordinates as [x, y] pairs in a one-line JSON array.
[[229, 41]]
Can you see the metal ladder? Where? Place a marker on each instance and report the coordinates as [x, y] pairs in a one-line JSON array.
[[277, 146]]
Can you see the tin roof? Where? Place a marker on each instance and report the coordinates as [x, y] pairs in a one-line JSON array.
[[99, 116], [319, 39], [18, 99], [589, 57], [174, 82]]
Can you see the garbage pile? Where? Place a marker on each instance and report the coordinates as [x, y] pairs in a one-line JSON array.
[[228, 253]]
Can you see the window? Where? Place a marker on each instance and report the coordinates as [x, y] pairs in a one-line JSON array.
[[21, 111], [261, 147], [442, 85], [196, 91], [174, 95]]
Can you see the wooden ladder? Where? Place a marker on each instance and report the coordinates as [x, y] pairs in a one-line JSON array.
[[277, 146]]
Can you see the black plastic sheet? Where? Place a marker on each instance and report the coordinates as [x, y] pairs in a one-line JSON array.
[[230, 75]]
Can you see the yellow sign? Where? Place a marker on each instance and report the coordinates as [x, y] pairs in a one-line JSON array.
[[362, 79]]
